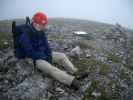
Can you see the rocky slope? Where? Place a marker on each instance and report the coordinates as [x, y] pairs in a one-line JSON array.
[[106, 52]]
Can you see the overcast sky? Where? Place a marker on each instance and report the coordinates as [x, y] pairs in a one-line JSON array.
[[109, 11]]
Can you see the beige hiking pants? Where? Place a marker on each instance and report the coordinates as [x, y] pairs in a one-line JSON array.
[[55, 72]]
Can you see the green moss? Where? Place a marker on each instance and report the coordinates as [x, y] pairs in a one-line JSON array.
[[129, 65], [92, 65], [104, 68], [114, 58], [4, 37], [125, 74], [87, 44], [104, 96], [88, 94], [110, 84], [52, 98], [53, 37], [85, 63], [116, 92]]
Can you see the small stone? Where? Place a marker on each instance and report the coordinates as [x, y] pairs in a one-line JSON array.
[[76, 52], [59, 90], [5, 43], [96, 94]]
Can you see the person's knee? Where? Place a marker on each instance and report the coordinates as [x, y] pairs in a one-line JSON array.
[[38, 62], [44, 66], [63, 56], [42, 63]]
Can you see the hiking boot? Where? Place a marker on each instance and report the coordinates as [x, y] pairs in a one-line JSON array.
[[81, 75], [75, 84]]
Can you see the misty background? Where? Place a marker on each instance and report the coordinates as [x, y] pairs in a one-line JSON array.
[[108, 11]]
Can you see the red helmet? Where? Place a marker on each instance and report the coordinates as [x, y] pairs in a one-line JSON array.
[[40, 18]]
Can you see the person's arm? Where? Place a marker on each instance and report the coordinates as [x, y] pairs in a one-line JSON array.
[[48, 49]]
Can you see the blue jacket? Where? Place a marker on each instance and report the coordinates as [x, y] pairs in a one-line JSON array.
[[34, 44]]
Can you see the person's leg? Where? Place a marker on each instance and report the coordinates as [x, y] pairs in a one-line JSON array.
[[63, 60], [54, 72]]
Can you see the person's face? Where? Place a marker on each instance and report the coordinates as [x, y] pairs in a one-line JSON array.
[[39, 27]]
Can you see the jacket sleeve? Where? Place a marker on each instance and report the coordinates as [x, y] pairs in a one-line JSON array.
[[48, 49], [27, 46]]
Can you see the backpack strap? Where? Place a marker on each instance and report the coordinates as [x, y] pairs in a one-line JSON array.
[[27, 20], [14, 34], [13, 27], [28, 25]]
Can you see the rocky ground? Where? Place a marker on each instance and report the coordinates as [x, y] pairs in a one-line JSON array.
[[106, 52]]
